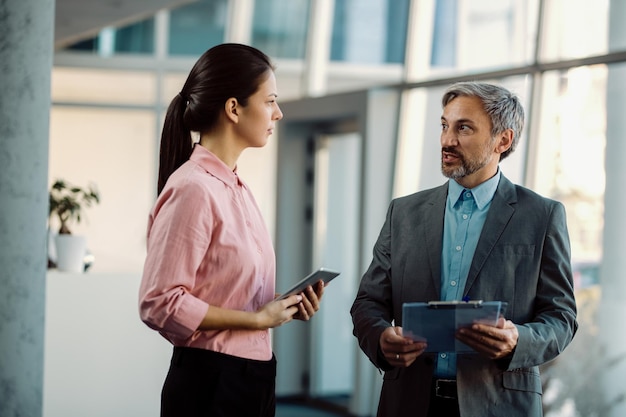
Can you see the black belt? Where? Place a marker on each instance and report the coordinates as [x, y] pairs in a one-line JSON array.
[[445, 388]]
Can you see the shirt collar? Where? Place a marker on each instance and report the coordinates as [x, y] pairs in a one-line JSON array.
[[215, 166], [483, 193]]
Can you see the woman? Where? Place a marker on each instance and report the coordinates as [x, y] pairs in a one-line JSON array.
[[209, 276]]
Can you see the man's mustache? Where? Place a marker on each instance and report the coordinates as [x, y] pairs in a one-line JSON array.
[[451, 150]]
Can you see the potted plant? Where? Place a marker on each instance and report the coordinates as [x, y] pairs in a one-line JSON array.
[[67, 205]]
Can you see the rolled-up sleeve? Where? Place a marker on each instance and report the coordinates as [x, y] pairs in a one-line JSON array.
[[178, 238]]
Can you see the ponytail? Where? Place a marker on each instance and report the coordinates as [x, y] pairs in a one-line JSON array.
[[176, 142]]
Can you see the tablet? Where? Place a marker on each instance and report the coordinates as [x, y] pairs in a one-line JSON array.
[[323, 274]]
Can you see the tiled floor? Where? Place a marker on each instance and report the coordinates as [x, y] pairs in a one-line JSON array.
[[334, 407], [292, 410]]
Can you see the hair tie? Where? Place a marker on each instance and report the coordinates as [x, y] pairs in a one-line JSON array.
[[185, 99]]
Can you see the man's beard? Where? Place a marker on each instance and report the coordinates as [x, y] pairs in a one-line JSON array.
[[466, 168]]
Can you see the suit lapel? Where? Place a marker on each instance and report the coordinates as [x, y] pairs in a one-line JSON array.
[[500, 212], [433, 231]]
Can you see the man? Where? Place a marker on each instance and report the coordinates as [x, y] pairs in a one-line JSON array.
[[479, 237]]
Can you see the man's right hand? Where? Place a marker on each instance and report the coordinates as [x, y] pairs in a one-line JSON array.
[[399, 350]]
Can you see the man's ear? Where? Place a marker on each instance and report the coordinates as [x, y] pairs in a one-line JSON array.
[[505, 141], [231, 108]]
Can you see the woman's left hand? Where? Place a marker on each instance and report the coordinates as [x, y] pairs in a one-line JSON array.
[[310, 304]]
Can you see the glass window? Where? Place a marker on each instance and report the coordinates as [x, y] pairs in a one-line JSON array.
[[617, 29], [137, 38], [280, 27], [369, 31], [87, 45], [483, 34], [196, 27], [444, 37], [569, 159], [576, 28]]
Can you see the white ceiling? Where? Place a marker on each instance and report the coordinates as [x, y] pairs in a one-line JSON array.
[[76, 20]]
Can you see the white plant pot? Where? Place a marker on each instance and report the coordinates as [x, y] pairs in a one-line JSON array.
[[70, 252], [52, 246]]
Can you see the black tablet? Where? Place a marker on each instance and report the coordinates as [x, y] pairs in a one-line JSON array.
[[323, 274]]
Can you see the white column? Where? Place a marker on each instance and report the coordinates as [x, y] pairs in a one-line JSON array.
[[419, 42], [239, 24], [26, 49], [613, 278], [315, 74]]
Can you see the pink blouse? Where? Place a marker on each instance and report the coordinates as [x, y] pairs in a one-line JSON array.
[[207, 245]]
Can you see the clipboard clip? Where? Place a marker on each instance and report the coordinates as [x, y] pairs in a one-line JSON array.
[[455, 304]]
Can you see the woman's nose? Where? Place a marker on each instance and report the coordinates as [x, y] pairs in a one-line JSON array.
[[278, 114]]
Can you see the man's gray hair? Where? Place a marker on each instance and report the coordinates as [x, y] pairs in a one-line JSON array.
[[502, 106]]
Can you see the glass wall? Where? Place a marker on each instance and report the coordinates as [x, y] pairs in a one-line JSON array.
[[279, 28], [566, 111], [570, 152], [483, 34], [137, 38], [196, 27], [369, 32], [576, 29], [561, 153]]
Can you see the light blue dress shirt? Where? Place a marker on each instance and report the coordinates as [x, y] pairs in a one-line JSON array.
[[466, 211]]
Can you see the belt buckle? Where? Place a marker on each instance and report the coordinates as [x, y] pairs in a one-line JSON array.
[[446, 388]]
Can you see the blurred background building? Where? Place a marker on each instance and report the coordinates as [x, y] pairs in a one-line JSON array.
[[360, 83]]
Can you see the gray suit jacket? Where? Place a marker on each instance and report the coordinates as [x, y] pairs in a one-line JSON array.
[[522, 257]]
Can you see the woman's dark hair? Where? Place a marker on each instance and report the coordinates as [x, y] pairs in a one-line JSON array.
[[224, 71]]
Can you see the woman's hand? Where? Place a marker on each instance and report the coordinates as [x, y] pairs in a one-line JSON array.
[[272, 314], [278, 312], [310, 303], [300, 307]]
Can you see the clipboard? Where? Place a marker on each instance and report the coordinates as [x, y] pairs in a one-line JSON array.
[[324, 274], [436, 322]]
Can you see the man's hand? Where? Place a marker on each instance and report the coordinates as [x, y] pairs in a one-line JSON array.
[[399, 350], [494, 342]]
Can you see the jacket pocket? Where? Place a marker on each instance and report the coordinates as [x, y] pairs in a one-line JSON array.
[[522, 380]]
